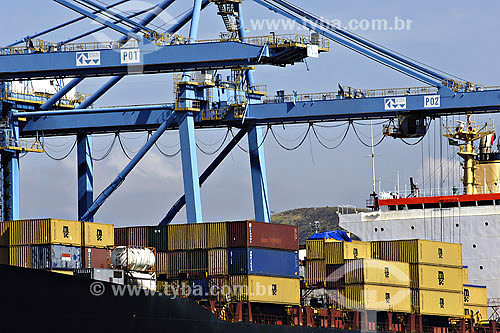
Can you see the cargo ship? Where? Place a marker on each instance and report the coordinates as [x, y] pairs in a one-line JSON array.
[[229, 277], [470, 218]]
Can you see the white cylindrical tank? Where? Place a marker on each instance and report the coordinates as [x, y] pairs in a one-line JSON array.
[[135, 258]]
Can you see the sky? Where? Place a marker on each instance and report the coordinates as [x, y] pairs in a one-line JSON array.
[[455, 36]]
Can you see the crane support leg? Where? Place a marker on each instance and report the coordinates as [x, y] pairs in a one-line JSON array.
[[10, 181], [204, 176], [85, 175], [130, 166], [190, 169], [259, 175]]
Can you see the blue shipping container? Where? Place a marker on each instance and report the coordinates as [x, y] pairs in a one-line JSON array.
[[260, 261], [55, 257], [199, 289]]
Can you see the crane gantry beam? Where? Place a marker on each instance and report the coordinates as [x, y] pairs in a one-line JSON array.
[[115, 59], [306, 109]]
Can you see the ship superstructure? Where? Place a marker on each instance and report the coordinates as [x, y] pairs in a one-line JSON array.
[[470, 216]]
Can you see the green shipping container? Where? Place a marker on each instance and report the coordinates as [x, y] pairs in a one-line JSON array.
[[158, 238]]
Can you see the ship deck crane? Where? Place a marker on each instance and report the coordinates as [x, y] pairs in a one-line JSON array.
[[443, 96]]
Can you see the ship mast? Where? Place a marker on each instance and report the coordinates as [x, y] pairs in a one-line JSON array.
[[468, 132]]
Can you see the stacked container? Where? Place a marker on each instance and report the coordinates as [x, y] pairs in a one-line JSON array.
[[325, 260], [475, 302], [48, 244], [216, 257], [263, 262], [53, 244], [218, 261], [147, 236], [435, 273], [379, 285], [97, 240]]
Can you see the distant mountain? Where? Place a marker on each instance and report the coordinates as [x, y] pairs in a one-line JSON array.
[[305, 218]]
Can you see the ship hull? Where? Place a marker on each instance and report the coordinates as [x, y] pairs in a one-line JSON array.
[[39, 301]]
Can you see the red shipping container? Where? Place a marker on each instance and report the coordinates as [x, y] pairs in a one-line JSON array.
[[259, 234], [121, 236], [178, 264], [198, 263], [95, 258]]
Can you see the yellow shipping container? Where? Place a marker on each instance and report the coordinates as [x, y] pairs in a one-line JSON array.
[[217, 235], [477, 312], [336, 251], [437, 303], [4, 233], [138, 236], [62, 272], [265, 289], [161, 263], [4, 255], [98, 234], [315, 272], [465, 275], [20, 255], [375, 297], [419, 252], [475, 295], [315, 249], [219, 288], [197, 236], [45, 231], [436, 277], [217, 262], [374, 271], [177, 237]]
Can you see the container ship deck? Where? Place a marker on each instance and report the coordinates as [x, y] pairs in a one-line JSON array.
[[39, 300]]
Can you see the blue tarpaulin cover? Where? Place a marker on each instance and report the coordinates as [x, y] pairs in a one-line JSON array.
[[337, 234]]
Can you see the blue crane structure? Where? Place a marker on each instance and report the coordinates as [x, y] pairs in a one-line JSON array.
[[239, 103]]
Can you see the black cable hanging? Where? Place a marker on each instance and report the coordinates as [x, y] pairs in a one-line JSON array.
[[296, 147], [323, 137], [218, 148], [336, 146], [108, 151], [365, 144], [165, 154], [258, 147], [123, 148], [289, 140], [65, 156], [332, 126]]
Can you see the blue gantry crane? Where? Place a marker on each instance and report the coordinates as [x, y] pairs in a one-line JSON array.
[[238, 101]]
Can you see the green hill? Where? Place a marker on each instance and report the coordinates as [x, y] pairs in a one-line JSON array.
[[305, 218]]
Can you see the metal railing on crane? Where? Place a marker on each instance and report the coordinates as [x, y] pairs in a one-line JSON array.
[[162, 39]]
